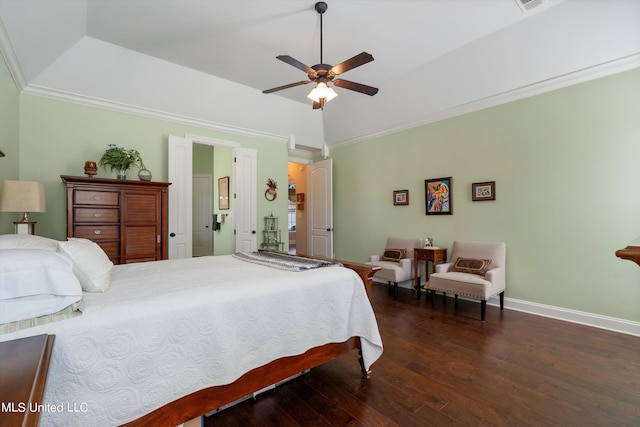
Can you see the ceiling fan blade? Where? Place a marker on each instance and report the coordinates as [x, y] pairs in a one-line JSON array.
[[299, 65], [351, 63], [358, 87], [275, 89]]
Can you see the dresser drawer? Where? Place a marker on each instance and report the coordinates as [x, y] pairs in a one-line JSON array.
[[97, 232], [90, 197], [112, 249], [95, 215]]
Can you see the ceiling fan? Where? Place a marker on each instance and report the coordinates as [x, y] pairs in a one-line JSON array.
[[322, 74]]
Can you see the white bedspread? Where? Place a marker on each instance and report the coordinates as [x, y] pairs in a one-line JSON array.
[[166, 329]]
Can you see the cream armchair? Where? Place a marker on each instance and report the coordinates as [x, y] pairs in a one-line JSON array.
[[476, 269], [396, 262]]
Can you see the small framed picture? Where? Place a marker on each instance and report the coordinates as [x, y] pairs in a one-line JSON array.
[[401, 197], [439, 196], [481, 191]]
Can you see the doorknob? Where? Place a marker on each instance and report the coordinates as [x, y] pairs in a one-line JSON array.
[[172, 235], [253, 231]]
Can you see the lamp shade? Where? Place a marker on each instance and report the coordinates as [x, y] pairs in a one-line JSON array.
[[322, 91], [22, 196]]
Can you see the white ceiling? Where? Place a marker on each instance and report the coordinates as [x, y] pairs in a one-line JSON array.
[[208, 61]]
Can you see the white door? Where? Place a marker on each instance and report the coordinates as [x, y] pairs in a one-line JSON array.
[[180, 174], [245, 197], [202, 220], [320, 205]]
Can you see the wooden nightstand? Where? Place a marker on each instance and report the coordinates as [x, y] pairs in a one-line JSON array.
[[426, 255], [24, 364]]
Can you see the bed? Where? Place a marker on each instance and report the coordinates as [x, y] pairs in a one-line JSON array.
[[168, 341]]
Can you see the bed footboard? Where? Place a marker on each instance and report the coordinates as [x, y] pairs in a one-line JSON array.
[[212, 398]]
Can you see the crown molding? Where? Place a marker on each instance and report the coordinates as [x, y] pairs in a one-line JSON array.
[[75, 98], [10, 57], [569, 79], [591, 73]]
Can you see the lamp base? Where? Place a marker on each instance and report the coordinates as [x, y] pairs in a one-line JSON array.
[[25, 227]]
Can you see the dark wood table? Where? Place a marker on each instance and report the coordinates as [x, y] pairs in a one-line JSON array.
[[433, 255], [632, 253], [24, 366]]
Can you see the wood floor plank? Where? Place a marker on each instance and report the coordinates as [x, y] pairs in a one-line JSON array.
[[442, 366]]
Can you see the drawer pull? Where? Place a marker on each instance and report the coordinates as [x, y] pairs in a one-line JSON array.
[[97, 197], [97, 214], [97, 231]]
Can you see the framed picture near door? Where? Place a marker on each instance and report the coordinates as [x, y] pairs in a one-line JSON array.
[[223, 193]]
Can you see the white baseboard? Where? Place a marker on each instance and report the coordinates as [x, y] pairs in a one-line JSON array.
[[614, 324], [583, 318]]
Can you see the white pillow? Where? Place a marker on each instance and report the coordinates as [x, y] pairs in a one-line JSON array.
[[90, 263], [27, 241], [35, 282]]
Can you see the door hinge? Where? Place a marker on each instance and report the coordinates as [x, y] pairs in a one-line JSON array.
[[158, 238]]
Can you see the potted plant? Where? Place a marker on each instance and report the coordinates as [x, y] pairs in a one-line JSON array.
[[121, 160]]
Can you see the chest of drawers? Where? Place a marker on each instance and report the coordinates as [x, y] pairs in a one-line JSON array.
[[127, 218]]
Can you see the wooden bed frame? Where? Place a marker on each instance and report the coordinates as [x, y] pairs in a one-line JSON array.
[[201, 402]]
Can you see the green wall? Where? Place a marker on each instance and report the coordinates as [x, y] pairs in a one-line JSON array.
[[567, 172], [566, 166], [57, 137]]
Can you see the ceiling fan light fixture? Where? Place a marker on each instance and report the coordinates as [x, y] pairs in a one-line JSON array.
[[322, 91], [321, 74]]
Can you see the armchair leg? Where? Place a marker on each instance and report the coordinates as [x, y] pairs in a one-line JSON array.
[[502, 300], [455, 303], [433, 298], [395, 290], [483, 308]]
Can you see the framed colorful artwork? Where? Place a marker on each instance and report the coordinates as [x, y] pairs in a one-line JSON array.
[[439, 196], [401, 197], [483, 191]]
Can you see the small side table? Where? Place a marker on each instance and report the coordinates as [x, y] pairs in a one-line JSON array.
[[434, 255], [24, 364]]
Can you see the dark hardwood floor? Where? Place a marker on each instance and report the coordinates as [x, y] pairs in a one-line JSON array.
[[446, 367]]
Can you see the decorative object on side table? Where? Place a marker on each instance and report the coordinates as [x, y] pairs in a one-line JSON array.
[[272, 190], [483, 191], [144, 174], [439, 196], [90, 168], [401, 197], [121, 160]]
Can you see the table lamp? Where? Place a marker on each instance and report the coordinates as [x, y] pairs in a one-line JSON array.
[[25, 197]]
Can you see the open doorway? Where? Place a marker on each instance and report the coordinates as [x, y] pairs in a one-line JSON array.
[[212, 232], [297, 218]]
